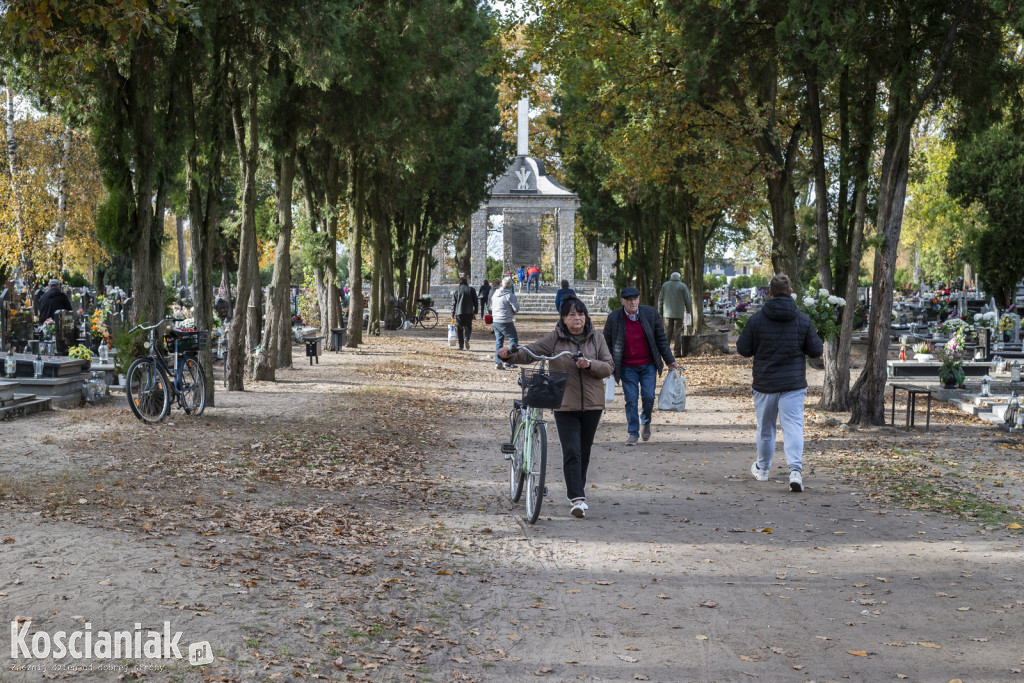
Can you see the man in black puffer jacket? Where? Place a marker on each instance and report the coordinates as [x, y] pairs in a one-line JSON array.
[[778, 337]]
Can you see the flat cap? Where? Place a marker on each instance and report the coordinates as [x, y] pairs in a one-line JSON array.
[[629, 293]]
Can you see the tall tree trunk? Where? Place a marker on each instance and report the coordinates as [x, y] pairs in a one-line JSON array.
[[821, 223], [278, 309], [355, 251], [179, 229], [855, 168], [903, 108], [332, 197], [202, 192], [868, 393], [147, 276], [247, 141], [779, 163]]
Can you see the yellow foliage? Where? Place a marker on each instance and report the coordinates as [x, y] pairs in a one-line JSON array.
[[49, 156]]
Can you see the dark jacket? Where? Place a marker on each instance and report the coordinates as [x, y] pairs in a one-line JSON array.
[[561, 295], [615, 335], [52, 301], [484, 294], [464, 301], [584, 390], [778, 337]]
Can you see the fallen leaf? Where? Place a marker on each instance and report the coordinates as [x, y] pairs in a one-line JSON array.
[[1014, 526], [627, 658], [701, 637], [930, 645], [858, 653]]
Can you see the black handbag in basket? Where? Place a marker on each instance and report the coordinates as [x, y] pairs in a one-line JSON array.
[[544, 389]]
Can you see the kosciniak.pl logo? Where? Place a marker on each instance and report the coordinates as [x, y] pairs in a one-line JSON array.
[[138, 643]]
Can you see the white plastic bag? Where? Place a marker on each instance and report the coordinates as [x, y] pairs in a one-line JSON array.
[[453, 335], [609, 389], [673, 393]]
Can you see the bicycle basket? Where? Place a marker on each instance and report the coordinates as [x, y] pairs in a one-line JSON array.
[[194, 341], [543, 389]]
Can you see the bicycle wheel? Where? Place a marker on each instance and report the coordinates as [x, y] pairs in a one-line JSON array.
[[538, 466], [146, 388], [397, 319], [515, 463], [192, 392], [428, 319]]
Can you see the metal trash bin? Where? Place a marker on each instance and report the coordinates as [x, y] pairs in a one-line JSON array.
[[312, 350], [337, 338]]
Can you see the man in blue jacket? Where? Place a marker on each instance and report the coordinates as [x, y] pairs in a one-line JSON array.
[[778, 337], [638, 344]]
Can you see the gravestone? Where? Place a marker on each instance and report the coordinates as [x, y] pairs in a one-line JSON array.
[[65, 331]]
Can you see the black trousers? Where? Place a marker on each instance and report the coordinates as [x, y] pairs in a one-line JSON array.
[[464, 323], [576, 430]]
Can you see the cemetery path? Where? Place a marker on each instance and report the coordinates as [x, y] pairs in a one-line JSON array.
[[349, 522]]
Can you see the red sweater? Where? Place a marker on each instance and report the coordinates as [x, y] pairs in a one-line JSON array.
[[637, 351]]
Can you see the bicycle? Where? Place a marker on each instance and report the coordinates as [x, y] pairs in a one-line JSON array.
[[147, 387], [425, 317], [527, 453]]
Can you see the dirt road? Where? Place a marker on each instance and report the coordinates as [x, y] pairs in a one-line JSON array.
[[349, 522]]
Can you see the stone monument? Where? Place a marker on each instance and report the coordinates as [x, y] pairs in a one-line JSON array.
[[524, 196]]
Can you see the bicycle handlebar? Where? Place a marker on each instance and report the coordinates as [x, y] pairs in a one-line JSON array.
[[574, 356], [140, 326]]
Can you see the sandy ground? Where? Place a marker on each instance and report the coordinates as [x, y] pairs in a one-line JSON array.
[[350, 522]]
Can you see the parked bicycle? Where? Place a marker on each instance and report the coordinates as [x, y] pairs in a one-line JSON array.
[[148, 387], [527, 452], [426, 316]]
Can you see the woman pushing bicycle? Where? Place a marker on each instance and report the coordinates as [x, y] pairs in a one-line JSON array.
[[583, 402]]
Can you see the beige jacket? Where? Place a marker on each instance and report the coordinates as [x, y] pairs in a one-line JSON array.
[[585, 388]]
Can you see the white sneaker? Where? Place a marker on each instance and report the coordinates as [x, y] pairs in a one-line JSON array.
[[796, 481], [759, 474], [578, 510]]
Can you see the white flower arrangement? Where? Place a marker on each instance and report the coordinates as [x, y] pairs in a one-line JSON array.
[[824, 312], [989, 319]]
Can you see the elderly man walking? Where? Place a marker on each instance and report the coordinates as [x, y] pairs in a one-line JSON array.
[[674, 304], [778, 337], [638, 344]]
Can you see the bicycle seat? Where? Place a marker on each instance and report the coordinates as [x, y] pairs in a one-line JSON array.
[[178, 332]]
